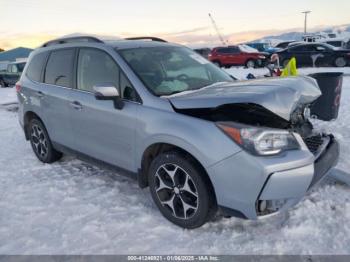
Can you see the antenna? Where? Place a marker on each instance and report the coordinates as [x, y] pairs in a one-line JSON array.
[[217, 30]]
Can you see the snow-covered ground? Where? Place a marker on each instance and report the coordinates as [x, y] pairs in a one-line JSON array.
[[71, 207], [241, 72], [7, 96]]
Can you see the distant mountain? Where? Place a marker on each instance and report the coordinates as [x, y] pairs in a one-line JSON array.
[[341, 30]]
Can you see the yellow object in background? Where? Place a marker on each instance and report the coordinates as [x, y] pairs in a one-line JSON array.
[[291, 68]]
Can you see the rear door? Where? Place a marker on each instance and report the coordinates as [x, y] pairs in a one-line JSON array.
[[55, 95], [221, 54], [101, 131]]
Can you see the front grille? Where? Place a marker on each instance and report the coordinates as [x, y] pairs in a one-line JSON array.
[[313, 143]]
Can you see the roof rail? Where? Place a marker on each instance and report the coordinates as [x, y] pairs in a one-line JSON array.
[[146, 38], [73, 39]]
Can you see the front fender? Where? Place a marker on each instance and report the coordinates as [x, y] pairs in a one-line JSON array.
[[173, 140], [201, 138]]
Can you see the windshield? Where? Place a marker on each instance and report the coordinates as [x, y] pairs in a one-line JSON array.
[[168, 70], [248, 49], [328, 46]]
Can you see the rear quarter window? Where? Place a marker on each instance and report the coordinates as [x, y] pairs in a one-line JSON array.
[[35, 66]]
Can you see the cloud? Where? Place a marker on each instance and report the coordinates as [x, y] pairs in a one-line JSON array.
[[193, 37], [186, 32], [24, 40]]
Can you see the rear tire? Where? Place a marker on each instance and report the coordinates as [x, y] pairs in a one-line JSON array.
[[2, 83], [250, 63], [340, 62], [180, 191], [41, 143]]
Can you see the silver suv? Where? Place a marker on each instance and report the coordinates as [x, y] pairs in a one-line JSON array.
[[166, 116]]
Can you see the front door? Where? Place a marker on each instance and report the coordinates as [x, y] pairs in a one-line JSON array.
[[101, 131]]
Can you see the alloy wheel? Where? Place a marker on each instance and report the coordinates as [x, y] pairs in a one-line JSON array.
[[39, 140], [176, 191], [250, 64], [340, 62]]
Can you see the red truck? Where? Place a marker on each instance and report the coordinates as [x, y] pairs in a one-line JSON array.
[[239, 55]]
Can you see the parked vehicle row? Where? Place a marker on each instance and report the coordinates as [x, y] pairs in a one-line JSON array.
[[315, 54], [161, 113], [239, 55], [307, 54]]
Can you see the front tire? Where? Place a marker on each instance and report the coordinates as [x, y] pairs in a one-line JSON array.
[[217, 63], [179, 190], [2, 83], [340, 62], [41, 143], [250, 63]]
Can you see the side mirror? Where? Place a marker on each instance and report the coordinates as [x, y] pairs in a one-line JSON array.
[[108, 92], [320, 48]]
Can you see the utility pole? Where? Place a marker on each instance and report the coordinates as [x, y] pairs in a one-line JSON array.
[[305, 19]]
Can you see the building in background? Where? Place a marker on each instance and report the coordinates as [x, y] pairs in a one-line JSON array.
[[16, 54]]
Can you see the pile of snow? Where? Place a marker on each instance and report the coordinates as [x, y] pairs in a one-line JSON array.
[[71, 207]]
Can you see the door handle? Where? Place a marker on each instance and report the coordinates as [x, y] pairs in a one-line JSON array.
[[40, 94], [76, 105]]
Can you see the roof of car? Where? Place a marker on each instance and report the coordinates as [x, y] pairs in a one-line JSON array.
[[308, 43], [119, 43], [125, 44]]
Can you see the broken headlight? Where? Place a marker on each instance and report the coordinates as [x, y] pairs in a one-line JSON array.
[[259, 140]]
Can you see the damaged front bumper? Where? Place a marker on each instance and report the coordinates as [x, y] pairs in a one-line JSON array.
[[272, 184], [272, 199]]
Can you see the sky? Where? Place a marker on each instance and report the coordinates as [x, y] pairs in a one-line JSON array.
[[31, 22]]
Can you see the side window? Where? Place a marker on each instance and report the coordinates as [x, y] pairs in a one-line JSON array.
[[311, 48], [233, 50], [59, 68], [298, 49], [127, 91], [35, 66], [14, 69], [320, 48], [222, 50], [20, 67], [96, 67]]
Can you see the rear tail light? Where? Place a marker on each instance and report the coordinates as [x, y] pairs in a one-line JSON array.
[[18, 87]]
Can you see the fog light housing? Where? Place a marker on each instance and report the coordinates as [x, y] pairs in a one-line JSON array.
[[266, 207]]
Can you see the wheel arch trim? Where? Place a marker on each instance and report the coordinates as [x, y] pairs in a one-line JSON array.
[[28, 115]]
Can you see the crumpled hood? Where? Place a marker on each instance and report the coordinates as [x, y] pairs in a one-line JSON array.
[[278, 95]]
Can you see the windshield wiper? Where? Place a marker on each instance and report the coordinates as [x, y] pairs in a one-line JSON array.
[[211, 85], [193, 88], [172, 93]]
